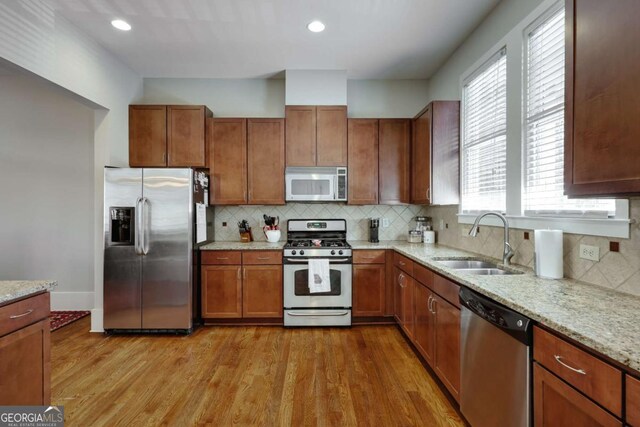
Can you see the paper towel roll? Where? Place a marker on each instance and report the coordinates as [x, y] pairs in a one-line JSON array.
[[548, 254]]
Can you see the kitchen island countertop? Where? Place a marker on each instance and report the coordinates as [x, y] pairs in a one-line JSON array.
[[11, 290]]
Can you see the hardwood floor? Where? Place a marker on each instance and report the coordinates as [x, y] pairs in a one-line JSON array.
[[263, 376]]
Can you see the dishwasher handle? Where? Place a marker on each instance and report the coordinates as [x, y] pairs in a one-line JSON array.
[[510, 321]]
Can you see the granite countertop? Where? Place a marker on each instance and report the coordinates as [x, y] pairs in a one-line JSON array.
[[240, 246], [11, 290], [599, 318]]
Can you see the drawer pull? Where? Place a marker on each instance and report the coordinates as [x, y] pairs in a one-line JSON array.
[[369, 257], [579, 371], [263, 258], [222, 257], [402, 263], [17, 316]]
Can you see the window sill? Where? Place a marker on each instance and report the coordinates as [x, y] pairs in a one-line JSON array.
[[618, 228]]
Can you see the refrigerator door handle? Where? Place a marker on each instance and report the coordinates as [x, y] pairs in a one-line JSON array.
[[138, 227], [145, 228]]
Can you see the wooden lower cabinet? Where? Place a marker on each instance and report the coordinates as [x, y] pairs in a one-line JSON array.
[[447, 343], [407, 319], [424, 337], [25, 354], [262, 291], [555, 403], [222, 291], [369, 290], [633, 401]]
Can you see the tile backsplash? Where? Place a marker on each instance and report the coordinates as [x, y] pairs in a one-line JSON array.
[[400, 218], [615, 270]]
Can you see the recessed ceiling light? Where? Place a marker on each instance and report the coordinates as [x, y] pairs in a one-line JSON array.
[[316, 26], [121, 25]]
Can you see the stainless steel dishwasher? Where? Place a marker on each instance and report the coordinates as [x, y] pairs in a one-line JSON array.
[[495, 363]]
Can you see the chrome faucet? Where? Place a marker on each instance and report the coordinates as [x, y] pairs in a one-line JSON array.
[[508, 252]]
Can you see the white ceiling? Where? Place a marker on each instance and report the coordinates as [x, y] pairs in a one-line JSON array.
[[371, 39]]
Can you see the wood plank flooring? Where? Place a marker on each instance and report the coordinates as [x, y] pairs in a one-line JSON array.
[[246, 376]]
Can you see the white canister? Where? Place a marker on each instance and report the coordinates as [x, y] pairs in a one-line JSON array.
[[548, 254], [429, 236]]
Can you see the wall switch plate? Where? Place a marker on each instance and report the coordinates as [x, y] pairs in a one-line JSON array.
[[590, 252], [385, 222]]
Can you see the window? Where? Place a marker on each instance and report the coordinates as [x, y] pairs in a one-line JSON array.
[[543, 152], [484, 137]]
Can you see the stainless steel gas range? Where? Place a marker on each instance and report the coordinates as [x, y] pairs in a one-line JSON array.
[[317, 239]]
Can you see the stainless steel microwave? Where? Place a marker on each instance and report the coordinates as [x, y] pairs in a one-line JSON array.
[[316, 184]]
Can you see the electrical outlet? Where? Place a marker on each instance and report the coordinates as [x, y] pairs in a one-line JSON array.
[[385, 222], [590, 252]]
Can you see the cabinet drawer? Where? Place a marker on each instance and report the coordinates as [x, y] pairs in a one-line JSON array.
[[369, 257], [403, 263], [262, 257], [446, 289], [24, 312], [633, 401], [221, 257], [423, 275], [595, 378]]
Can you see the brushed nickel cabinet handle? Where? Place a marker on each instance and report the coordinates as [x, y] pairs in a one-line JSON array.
[[433, 305], [244, 273], [17, 316], [559, 360], [222, 257], [429, 303], [402, 263], [238, 275], [263, 258]]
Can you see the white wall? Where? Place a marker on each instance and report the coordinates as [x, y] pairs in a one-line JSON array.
[[225, 97], [46, 187], [386, 98], [445, 83], [46, 45], [316, 87]]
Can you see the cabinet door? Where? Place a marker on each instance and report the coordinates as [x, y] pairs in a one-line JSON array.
[[186, 135], [447, 342], [331, 134], [398, 277], [601, 114], [394, 168], [265, 149], [424, 338], [363, 162], [221, 291], [633, 401], [555, 403], [262, 291], [147, 136], [369, 289], [227, 161], [25, 369], [301, 135], [421, 159], [407, 306], [445, 153]]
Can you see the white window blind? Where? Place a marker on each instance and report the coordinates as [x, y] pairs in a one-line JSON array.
[[544, 127], [484, 139]]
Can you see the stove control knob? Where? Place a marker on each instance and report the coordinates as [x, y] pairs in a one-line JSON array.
[[301, 252], [340, 252], [333, 252], [293, 252]]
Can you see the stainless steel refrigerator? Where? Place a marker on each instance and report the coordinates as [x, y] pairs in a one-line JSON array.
[[154, 220]]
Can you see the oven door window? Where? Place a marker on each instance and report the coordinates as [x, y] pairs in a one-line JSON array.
[[301, 283]]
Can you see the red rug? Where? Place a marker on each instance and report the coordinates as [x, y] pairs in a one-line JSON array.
[[62, 318]]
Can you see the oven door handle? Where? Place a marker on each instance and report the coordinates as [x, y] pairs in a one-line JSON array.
[[326, 313], [331, 260]]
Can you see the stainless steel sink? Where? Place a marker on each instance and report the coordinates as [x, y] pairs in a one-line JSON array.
[[476, 266], [458, 264]]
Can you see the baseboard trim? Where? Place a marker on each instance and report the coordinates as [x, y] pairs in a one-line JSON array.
[[67, 301], [97, 324]]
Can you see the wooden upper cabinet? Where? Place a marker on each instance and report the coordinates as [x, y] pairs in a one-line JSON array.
[[316, 135], [227, 161], [301, 135], [331, 135], [147, 135], [436, 154], [394, 153], [265, 149], [602, 129], [186, 135], [363, 162]]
